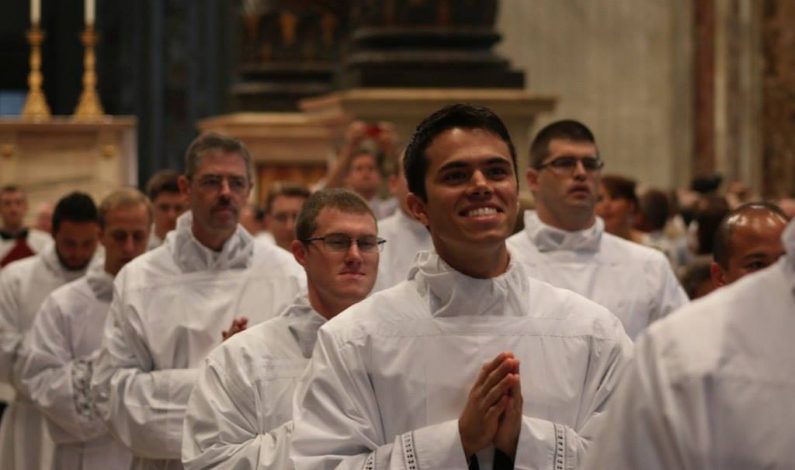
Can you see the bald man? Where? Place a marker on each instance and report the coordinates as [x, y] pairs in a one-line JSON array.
[[748, 239]]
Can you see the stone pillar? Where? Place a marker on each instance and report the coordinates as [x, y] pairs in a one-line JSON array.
[[778, 98]]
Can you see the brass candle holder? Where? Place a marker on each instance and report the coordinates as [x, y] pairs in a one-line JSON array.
[[89, 106], [35, 103]]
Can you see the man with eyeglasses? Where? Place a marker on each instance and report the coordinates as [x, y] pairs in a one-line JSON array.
[[564, 243], [426, 374], [174, 304], [239, 414]]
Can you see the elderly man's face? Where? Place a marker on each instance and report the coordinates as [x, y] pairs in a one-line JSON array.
[[217, 191]]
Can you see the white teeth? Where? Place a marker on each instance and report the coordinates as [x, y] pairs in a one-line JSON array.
[[481, 211]]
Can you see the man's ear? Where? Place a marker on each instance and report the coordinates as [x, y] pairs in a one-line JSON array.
[[298, 249], [184, 185], [717, 275], [416, 208], [531, 176]]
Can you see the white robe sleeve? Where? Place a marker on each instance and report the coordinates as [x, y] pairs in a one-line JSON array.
[[221, 427], [57, 382], [10, 335], [142, 407], [546, 444], [640, 430], [337, 421]]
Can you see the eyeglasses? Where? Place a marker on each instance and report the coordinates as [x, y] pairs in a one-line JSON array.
[[567, 165], [237, 184], [341, 243]]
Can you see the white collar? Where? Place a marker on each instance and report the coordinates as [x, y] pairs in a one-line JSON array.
[[455, 294], [100, 282], [548, 238], [304, 323], [49, 256], [190, 255]]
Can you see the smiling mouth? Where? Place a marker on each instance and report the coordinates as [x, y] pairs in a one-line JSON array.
[[481, 212]]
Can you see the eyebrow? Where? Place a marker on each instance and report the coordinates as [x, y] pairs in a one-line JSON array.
[[462, 164]]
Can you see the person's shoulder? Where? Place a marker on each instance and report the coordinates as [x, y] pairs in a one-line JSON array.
[[150, 268], [571, 313], [617, 248], [734, 320], [71, 291], [384, 312], [20, 267]]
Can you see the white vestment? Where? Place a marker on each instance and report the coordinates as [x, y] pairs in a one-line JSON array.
[[25, 442], [239, 414], [390, 376], [405, 237], [36, 240], [712, 387], [634, 282], [169, 309], [56, 363]]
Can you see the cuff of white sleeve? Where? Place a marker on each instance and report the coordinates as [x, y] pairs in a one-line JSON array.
[[542, 444], [435, 446]]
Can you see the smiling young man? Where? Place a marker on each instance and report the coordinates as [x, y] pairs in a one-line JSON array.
[[255, 372], [565, 244], [58, 356], [174, 304], [432, 372], [24, 284]]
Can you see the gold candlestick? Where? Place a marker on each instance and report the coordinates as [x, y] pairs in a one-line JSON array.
[[35, 103], [89, 106]]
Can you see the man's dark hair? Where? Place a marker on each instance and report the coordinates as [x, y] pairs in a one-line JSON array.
[[75, 207], [214, 141], [463, 116], [163, 181], [284, 190], [567, 129], [721, 246], [711, 210], [655, 207], [620, 187], [334, 198]]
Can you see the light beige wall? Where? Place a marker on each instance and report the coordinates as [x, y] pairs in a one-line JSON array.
[[621, 66]]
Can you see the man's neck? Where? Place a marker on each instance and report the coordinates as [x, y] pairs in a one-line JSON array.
[[327, 308], [574, 221], [478, 263], [213, 241]]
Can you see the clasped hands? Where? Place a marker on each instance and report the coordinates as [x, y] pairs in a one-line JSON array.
[[493, 412]]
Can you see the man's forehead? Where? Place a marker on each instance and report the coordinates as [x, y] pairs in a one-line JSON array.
[[579, 147], [333, 218], [12, 196], [218, 161]]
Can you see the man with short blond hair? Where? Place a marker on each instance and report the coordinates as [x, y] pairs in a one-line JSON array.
[[58, 355], [174, 304]]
